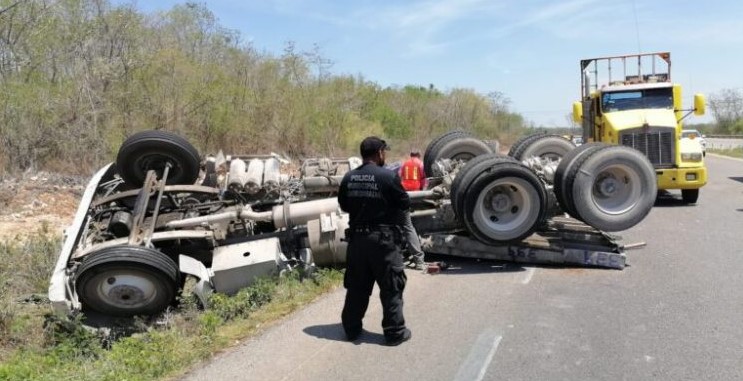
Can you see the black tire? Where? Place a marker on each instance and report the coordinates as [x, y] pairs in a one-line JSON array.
[[463, 148], [614, 188], [437, 139], [431, 154], [690, 196], [563, 180], [552, 147], [505, 203], [153, 150], [516, 147], [469, 172], [127, 281]]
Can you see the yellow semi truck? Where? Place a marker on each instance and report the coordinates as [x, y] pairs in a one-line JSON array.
[[630, 100]]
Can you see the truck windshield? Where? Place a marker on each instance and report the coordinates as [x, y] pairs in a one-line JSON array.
[[637, 99]]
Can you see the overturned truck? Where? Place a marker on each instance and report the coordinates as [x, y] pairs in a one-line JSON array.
[[162, 213]]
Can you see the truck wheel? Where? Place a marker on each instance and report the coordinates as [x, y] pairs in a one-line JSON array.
[[148, 150], [552, 147], [463, 148], [428, 158], [469, 172], [455, 146], [614, 188], [127, 281], [504, 203], [690, 196], [565, 174], [516, 147]]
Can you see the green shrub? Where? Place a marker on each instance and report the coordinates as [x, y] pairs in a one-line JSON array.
[[183, 337]]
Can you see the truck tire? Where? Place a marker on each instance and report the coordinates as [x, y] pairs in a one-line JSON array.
[[428, 158], [463, 148], [469, 172], [504, 203], [154, 150], [516, 147], [614, 188], [690, 196], [565, 174], [127, 281], [552, 147], [437, 139]]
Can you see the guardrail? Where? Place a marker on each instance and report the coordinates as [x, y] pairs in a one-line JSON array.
[[724, 143]]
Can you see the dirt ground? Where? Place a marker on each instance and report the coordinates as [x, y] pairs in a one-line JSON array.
[[29, 201]]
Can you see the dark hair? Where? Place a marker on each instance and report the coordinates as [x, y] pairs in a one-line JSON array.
[[371, 146], [415, 153]]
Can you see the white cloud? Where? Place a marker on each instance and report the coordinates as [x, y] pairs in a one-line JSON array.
[[420, 24], [431, 27], [436, 13]]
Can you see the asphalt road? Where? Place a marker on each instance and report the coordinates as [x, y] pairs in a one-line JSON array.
[[676, 313]]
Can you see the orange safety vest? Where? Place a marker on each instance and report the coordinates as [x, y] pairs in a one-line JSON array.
[[411, 176]]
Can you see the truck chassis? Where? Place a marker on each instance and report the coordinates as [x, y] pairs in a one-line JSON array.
[[160, 214]]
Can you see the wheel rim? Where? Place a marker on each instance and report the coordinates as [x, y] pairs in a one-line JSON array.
[[616, 189], [506, 208], [129, 289]]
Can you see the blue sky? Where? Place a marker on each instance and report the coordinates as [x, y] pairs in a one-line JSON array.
[[527, 49]]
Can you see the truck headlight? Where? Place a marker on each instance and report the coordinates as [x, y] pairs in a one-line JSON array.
[[691, 156]]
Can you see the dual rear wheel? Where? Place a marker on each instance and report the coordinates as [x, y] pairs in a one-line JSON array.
[[499, 199], [495, 197], [611, 188]]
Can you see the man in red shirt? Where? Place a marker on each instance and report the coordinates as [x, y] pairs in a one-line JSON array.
[[411, 173], [413, 179]]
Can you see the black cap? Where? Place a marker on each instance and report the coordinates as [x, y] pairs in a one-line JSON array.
[[371, 145]]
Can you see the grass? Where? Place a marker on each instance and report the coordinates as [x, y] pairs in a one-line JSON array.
[[38, 345], [25, 270], [732, 152]]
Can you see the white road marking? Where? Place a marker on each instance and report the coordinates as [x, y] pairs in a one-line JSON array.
[[491, 354], [479, 358], [529, 273]]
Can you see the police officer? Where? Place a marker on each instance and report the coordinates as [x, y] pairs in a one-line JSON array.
[[376, 203]]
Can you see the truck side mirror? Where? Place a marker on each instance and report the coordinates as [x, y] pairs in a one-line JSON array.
[[700, 106], [577, 112]]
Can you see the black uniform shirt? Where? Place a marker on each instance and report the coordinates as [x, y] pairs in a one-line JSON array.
[[373, 195]]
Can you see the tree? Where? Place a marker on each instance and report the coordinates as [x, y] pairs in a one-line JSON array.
[[79, 76], [727, 109]]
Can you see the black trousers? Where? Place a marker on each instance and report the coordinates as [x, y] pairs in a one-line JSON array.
[[374, 257]]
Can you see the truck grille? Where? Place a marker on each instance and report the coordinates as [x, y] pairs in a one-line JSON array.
[[656, 143]]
